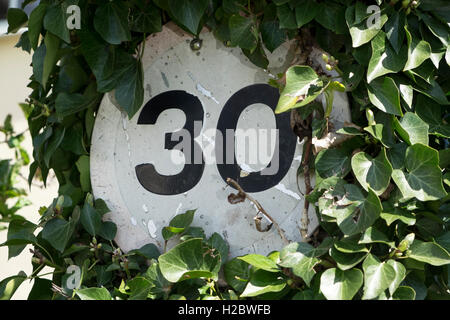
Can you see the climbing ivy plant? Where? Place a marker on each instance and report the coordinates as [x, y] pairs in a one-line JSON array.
[[381, 181]]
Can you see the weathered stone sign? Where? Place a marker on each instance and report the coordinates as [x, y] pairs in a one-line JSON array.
[[208, 115]]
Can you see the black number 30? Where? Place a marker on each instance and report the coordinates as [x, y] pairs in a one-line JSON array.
[[192, 172]]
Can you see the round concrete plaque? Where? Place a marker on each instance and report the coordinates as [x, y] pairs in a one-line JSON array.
[[207, 116]]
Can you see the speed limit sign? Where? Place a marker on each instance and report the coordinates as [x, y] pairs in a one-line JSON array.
[[208, 115]]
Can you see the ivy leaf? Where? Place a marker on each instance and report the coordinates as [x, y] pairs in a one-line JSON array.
[[51, 56], [140, 288], [58, 232], [412, 129], [111, 22], [20, 229], [147, 19], [217, 242], [35, 24], [17, 18], [418, 51], [243, 32], [305, 12], [363, 31], [400, 275], [336, 284], [189, 260], [378, 276], [302, 87], [395, 31], [286, 16], [332, 17], [332, 162], [188, 12], [94, 294], [372, 172], [384, 94], [423, 177], [346, 261], [129, 92], [358, 212], [404, 293], [178, 224], [91, 220], [301, 257], [108, 230], [55, 21], [160, 286], [83, 166], [10, 285], [431, 113], [262, 281], [237, 274], [373, 235], [391, 214], [384, 59], [272, 35], [260, 262], [429, 252]]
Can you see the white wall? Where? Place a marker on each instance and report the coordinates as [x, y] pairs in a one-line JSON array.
[[14, 73]]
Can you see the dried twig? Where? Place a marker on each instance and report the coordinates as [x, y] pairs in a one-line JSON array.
[[261, 210], [304, 222]]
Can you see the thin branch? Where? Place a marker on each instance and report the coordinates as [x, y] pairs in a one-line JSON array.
[[259, 207], [304, 222]]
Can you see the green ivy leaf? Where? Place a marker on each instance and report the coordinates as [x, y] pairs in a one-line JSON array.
[[431, 113], [237, 274], [272, 35], [429, 252], [423, 177], [35, 24], [51, 56], [260, 262], [94, 294], [346, 261], [384, 59], [378, 276], [129, 92], [286, 17], [395, 31], [302, 87], [301, 257], [400, 275], [363, 31], [91, 220], [243, 32], [384, 94], [404, 293], [365, 210], [262, 281], [336, 284], [188, 12], [111, 22], [305, 12], [373, 235], [17, 18], [189, 260], [140, 288], [372, 172], [147, 19], [58, 232], [55, 21], [10, 285], [418, 51], [332, 162], [412, 129]]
